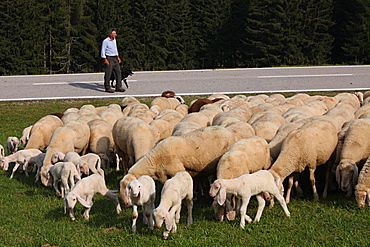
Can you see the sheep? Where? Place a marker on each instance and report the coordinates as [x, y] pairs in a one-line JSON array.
[[37, 161], [42, 131], [240, 129], [193, 152], [355, 150], [141, 192], [67, 173], [84, 191], [19, 158], [81, 165], [73, 136], [309, 146], [184, 127], [25, 135], [175, 191], [101, 138], [111, 114], [70, 116], [244, 157], [362, 189], [12, 144], [267, 125], [133, 138], [246, 186], [87, 110], [172, 94], [94, 163], [239, 113], [57, 156]]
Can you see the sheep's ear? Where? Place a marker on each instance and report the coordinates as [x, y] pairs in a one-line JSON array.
[[168, 221], [337, 175], [355, 175], [83, 202], [221, 197], [127, 191]]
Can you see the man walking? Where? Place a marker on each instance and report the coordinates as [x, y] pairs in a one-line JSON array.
[[109, 53]]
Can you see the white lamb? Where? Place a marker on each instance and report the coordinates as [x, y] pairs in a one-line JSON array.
[[84, 191], [19, 159], [174, 191], [37, 161], [141, 191], [12, 144], [94, 163], [246, 186], [67, 173]]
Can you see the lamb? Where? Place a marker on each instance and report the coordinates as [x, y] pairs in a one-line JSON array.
[[141, 191], [75, 158], [355, 150], [37, 161], [57, 156], [84, 191], [175, 191], [362, 189], [12, 144], [73, 136], [192, 152], [309, 146], [244, 157], [42, 131], [246, 186], [67, 173], [19, 158], [94, 163], [25, 135]]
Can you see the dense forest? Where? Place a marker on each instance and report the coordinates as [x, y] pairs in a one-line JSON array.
[[64, 36]]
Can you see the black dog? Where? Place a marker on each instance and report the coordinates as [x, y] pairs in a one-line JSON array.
[[126, 72]]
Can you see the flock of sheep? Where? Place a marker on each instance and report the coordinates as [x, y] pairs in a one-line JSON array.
[[241, 146]]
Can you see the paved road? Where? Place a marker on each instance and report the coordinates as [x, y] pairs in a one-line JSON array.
[[189, 82]]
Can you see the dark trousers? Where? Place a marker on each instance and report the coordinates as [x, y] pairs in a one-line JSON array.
[[113, 67]]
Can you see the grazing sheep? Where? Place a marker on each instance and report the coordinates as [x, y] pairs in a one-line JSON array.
[[246, 186], [184, 127], [94, 163], [141, 191], [101, 138], [355, 150], [12, 144], [192, 152], [84, 191], [240, 129], [244, 157], [73, 136], [25, 135], [133, 138], [67, 173], [19, 158], [309, 146], [75, 158], [362, 189], [57, 156], [175, 191], [111, 114], [37, 161], [42, 131], [267, 125]]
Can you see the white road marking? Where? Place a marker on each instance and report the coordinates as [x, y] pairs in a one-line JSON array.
[[295, 76]]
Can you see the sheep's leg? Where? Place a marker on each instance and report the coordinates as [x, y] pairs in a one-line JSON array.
[[313, 184], [145, 214], [65, 187], [150, 208], [14, 169], [71, 214], [55, 185], [261, 206], [289, 189], [87, 210], [243, 212], [134, 218], [189, 205], [175, 212], [281, 200], [114, 198]]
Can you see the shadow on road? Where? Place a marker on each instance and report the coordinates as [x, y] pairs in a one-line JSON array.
[[90, 86]]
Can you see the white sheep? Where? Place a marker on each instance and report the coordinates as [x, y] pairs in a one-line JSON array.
[[57, 156], [175, 191], [246, 186], [141, 191], [84, 191], [355, 150], [67, 173], [25, 135], [362, 189], [19, 158], [75, 158], [94, 163], [12, 144], [101, 138], [37, 161]]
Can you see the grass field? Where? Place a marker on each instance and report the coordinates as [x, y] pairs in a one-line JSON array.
[[32, 215]]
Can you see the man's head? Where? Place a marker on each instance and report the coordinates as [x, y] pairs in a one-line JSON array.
[[112, 33]]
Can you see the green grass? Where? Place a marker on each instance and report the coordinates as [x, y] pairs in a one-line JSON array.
[[32, 215]]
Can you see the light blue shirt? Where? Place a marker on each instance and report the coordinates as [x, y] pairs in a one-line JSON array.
[[109, 48]]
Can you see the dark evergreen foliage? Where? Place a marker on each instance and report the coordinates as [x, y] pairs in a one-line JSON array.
[[53, 36]]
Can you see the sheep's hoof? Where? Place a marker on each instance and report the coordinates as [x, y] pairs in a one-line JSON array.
[[73, 218]]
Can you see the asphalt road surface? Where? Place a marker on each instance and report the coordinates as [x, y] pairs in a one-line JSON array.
[[189, 82]]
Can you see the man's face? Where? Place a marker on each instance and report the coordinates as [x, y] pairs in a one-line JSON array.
[[113, 35]]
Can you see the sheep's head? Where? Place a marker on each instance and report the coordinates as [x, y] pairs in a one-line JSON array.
[[219, 210], [160, 216], [219, 190], [361, 198], [3, 163], [346, 173], [123, 183], [84, 167], [71, 199]]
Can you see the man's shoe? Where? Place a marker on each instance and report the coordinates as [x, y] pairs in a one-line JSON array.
[[109, 90], [120, 89]]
